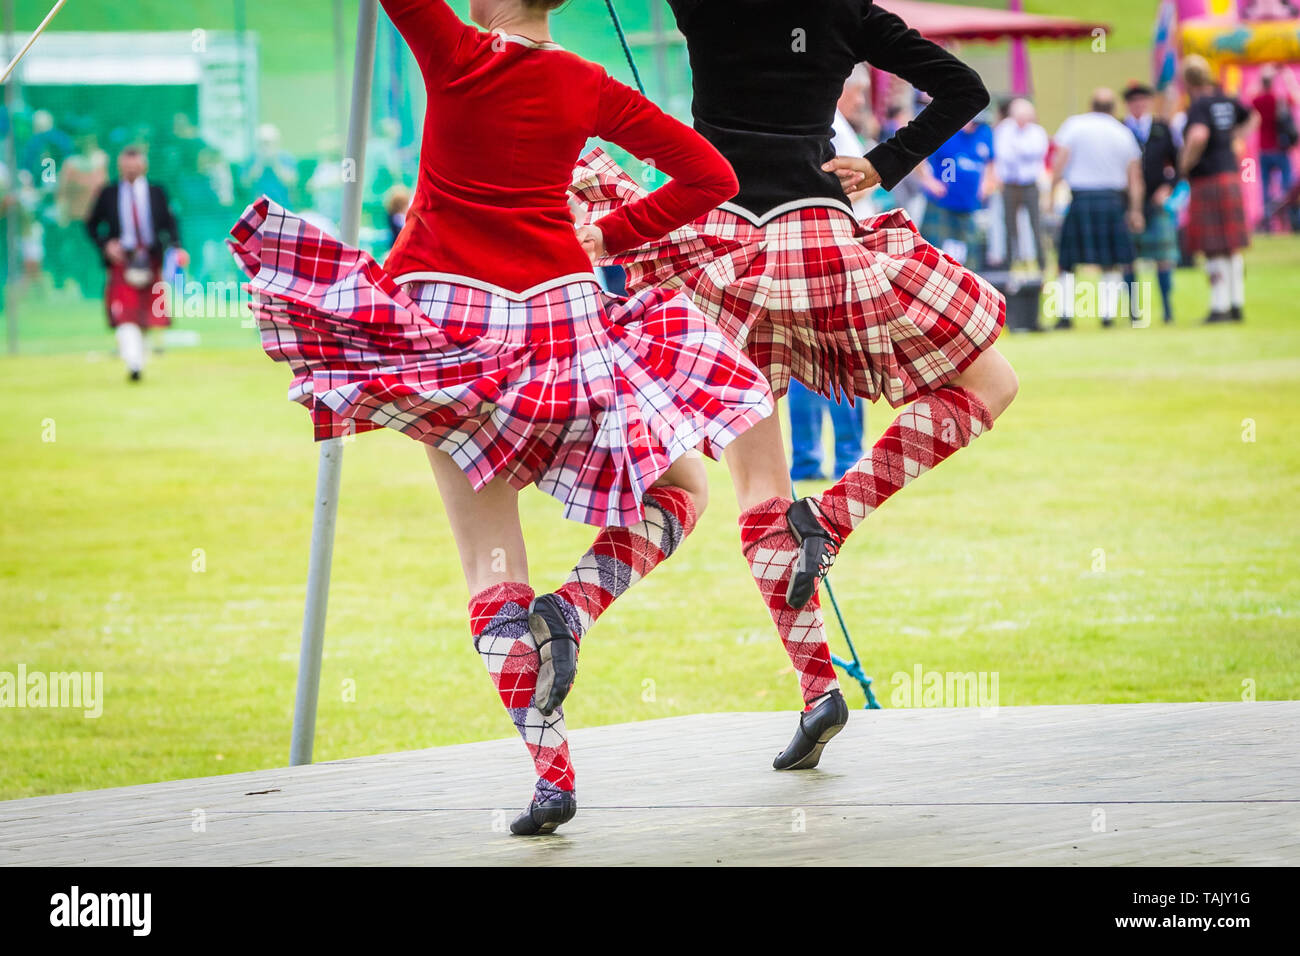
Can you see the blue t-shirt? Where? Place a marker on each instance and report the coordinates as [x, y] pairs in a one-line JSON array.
[[959, 164]]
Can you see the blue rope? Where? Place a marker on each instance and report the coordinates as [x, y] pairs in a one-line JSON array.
[[852, 667], [627, 50]]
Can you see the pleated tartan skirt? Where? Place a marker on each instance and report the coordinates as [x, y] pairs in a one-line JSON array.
[[1095, 232], [1216, 215], [586, 395], [851, 309]]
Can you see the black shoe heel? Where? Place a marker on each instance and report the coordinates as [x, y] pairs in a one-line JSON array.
[[543, 816], [816, 728], [817, 552], [557, 650]]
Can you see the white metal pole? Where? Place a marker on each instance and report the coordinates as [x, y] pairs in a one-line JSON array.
[[32, 39], [331, 453], [13, 237]]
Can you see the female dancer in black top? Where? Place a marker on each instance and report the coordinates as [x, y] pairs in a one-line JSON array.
[[852, 309]]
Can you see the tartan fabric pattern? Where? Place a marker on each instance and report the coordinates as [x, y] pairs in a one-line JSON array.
[[498, 619], [1158, 242], [924, 434], [770, 549], [865, 309], [587, 396], [940, 226], [125, 303], [620, 557], [1216, 215], [1094, 232]]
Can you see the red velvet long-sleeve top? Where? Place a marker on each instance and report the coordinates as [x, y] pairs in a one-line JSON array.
[[506, 121]]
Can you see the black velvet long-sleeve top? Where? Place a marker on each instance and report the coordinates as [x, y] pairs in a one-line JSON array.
[[767, 75]]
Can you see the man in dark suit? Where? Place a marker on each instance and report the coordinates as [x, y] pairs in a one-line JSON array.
[[1158, 241], [132, 224]]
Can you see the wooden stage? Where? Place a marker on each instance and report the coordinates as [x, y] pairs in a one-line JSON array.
[[1159, 784]]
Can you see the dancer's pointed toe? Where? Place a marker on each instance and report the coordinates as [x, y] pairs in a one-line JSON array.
[[817, 552], [557, 648], [543, 816], [816, 728]]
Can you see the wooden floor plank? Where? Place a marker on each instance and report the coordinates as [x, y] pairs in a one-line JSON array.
[[1158, 784]]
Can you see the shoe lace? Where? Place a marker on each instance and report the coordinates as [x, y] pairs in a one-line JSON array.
[[826, 560]]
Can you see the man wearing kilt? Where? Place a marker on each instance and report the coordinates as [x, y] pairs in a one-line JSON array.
[[1102, 163], [132, 223], [1159, 241], [1216, 215]]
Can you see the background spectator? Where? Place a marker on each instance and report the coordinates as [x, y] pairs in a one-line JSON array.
[[47, 148], [1158, 242], [852, 126], [1276, 104], [131, 222], [272, 171], [8, 208], [1019, 155], [81, 177], [957, 179], [1216, 215], [1099, 159], [397, 200]]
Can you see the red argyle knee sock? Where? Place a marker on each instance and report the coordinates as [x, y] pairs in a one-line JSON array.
[[499, 622], [620, 557], [923, 434], [770, 549]]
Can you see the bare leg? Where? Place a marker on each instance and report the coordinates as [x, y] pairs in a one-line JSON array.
[[485, 524], [992, 378], [688, 474], [757, 464], [491, 544]]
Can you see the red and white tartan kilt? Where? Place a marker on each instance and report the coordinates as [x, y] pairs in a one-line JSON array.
[[1216, 215], [125, 303], [865, 309], [586, 395]]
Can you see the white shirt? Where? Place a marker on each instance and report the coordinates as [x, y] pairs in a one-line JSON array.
[[1019, 152], [847, 142], [140, 188], [1141, 126], [1100, 150]]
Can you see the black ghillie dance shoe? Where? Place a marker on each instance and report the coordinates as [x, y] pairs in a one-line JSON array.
[[816, 727], [543, 816], [558, 652], [817, 552]]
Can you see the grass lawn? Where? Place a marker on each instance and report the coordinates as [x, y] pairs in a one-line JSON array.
[[1113, 539]]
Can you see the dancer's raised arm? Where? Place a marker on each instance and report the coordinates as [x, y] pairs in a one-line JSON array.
[[701, 177], [957, 91], [431, 29]]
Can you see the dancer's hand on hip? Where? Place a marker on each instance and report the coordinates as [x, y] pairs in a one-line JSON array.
[[856, 174], [593, 242]]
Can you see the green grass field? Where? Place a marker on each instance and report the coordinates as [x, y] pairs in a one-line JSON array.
[[1125, 447]]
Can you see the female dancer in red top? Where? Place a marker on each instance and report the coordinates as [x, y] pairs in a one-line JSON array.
[[850, 309], [487, 337]]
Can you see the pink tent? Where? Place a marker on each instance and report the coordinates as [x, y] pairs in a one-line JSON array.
[[948, 21]]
